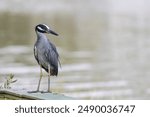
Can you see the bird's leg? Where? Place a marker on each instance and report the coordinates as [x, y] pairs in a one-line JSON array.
[[41, 75], [49, 74]]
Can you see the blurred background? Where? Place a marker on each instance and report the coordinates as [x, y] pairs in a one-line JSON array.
[[104, 46]]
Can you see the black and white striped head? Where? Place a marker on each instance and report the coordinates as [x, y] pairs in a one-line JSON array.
[[42, 28]]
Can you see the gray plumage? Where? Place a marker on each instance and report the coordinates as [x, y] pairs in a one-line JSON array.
[[46, 54], [44, 51]]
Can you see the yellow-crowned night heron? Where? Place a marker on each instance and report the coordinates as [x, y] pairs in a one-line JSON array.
[[45, 53]]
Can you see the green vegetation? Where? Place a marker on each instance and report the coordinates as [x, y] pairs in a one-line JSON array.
[[9, 79]]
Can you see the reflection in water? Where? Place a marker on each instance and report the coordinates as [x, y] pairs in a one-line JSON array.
[[104, 50]]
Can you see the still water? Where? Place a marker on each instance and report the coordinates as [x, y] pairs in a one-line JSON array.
[[104, 48]]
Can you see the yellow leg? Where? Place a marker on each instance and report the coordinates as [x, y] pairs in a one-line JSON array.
[[41, 75], [49, 74]]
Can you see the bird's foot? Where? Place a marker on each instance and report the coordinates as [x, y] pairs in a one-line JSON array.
[[36, 91], [48, 91]]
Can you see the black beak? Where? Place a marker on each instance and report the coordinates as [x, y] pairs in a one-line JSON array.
[[52, 32]]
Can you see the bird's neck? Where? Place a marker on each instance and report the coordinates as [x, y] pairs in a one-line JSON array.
[[40, 35]]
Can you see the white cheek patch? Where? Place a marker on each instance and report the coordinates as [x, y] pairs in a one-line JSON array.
[[40, 28]]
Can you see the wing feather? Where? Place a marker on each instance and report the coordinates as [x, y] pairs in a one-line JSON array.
[[53, 58]]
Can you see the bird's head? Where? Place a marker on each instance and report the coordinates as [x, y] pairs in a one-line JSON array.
[[42, 28]]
